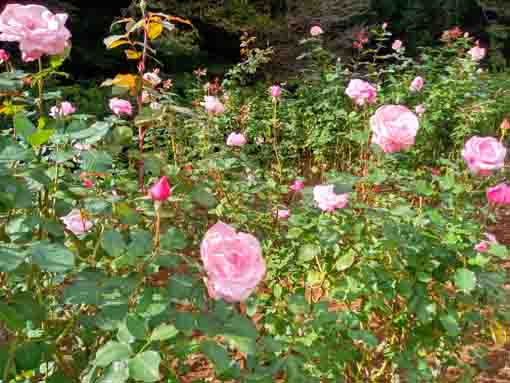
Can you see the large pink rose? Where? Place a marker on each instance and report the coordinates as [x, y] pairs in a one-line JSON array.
[[327, 199], [236, 139], [76, 222], [394, 128], [38, 31], [483, 155], [477, 53], [233, 262], [499, 194], [417, 84], [361, 92], [119, 106]]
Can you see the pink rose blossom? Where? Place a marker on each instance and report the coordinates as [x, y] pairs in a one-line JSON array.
[[361, 92], [233, 263], [88, 183], [119, 106], [483, 155], [297, 185], [327, 199], [66, 108], [477, 53], [160, 191], [38, 31], [283, 213], [482, 247], [153, 77], [213, 106], [397, 45], [276, 91], [76, 222], [236, 139], [499, 194], [420, 109], [4, 56], [394, 128], [316, 31], [417, 84]]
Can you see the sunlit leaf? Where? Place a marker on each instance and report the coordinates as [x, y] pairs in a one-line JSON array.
[[132, 54], [154, 30]]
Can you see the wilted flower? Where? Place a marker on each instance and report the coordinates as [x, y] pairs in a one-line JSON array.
[[38, 31], [76, 222], [451, 34], [499, 194], [361, 92], [394, 128], [483, 155], [327, 199], [236, 139], [153, 77], [167, 84], [160, 191], [119, 106], [233, 263]]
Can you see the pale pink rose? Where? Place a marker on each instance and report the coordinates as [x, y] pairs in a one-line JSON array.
[[76, 222], [283, 213], [153, 77], [38, 31], [233, 263], [491, 238], [482, 247], [394, 128], [65, 109], [82, 147], [361, 92], [327, 199], [119, 106], [483, 155], [236, 139], [419, 109], [397, 45], [316, 31], [477, 53], [297, 185], [499, 194], [213, 106], [276, 91], [417, 84], [4, 56], [160, 191]]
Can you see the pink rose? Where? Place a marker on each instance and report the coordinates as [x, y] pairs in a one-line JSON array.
[[482, 247], [160, 191], [420, 109], [4, 56], [213, 106], [397, 45], [417, 84], [88, 183], [233, 262], [483, 155], [276, 91], [361, 92], [327, 199], [283, 213], [153, 77], [297, 185], [477, 53], [394, 128], [119, 106], [236, 139], [66, 108], [38, 31], [316, 31], [76, 222], [499, 194]]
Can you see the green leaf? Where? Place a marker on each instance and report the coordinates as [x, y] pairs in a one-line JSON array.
[[118, 372], [140, 244], [498, 250], [111, 352], [40, 137], [113, 243], [145, 367], [11, 317], [218, 355], [345, 261], [203, 197], [10, 258], [465, 280], [173, 239], [163, 332], [91, 135], [52, 257], [30, 355], [23, 126], [450, 324], [96, 161], [365, 336], [308, 252]]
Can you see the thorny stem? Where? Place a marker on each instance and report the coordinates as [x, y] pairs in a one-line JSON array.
[[275, 139], [141, 129]]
